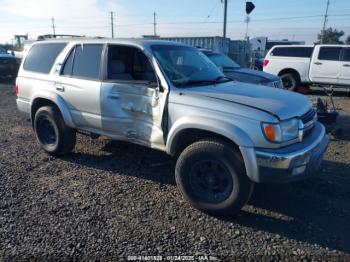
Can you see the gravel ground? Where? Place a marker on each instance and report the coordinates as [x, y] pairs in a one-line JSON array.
[[110, 200]]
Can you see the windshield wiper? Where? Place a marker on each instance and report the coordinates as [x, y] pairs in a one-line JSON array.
[[218, 80], [222, 79], [230, 67], [195, 82]]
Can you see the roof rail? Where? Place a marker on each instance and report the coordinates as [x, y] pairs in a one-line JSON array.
[[50, 36], [47, 37]]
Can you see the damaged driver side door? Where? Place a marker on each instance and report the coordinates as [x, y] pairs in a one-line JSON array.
[[132, 104]]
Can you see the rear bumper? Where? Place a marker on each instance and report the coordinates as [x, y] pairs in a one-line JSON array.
[[292, 163], [23, 106]]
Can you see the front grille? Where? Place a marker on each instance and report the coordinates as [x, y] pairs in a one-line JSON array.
[[309, 116], [308, 120], [277, 84]]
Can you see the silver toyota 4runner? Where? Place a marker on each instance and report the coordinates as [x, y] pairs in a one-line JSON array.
[[226, 135]]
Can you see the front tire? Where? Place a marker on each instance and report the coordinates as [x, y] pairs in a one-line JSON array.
[[290, 81], [53, 135], [212, 177]]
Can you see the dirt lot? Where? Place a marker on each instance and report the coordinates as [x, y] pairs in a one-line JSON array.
[[110, 200]]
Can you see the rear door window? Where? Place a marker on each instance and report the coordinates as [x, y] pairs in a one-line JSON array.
[[305, 52], [330, 53], [41, 57], [87, 61], [84, 61]]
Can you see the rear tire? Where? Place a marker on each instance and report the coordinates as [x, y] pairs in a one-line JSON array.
[[290, 81], [211, 176], [53, 135]]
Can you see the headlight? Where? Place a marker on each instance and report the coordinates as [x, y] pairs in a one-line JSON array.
[[282, 132]]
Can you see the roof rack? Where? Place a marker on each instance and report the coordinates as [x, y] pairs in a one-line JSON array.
[[50, 36]]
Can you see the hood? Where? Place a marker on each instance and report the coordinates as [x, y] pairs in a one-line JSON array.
[[250, 76], [278, 102]]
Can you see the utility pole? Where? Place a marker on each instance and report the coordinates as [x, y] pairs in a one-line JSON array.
[[154, 24], [112, 24], [325, 22], [53, 26], [225, 17], [247, 20]]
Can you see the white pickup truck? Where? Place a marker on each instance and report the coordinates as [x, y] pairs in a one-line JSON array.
[[326, 65]]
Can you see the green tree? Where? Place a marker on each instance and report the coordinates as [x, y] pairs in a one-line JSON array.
[[331, 36], [347, 41]]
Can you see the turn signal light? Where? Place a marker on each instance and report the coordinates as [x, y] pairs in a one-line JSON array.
[[270, 132]]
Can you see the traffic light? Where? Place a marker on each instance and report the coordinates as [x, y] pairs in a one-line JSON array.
[[249, 7]]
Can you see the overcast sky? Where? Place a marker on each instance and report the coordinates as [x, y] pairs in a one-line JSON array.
[[277, 19]]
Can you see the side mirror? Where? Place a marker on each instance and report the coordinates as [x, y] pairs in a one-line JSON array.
[[12, 53], [58, 67], [155, 98], [153, 85]]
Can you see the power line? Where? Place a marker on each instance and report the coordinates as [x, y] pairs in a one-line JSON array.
[[240, 21], [340, 15], [103, 21], [210, 13], [79, 26], [287, 18], [86, 27]]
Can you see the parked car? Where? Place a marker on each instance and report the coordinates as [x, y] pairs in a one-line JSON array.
[[321, 64], [8, 66], [226, 135], [233, 70]]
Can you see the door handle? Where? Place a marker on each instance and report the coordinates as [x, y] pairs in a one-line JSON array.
[[346, 65], [318, 63], [59, 87]]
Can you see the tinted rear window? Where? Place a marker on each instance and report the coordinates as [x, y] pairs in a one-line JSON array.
[[41, 57], [305, 52], [329, 53]]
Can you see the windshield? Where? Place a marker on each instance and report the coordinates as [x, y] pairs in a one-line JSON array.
[[186, 66], [222, 61]]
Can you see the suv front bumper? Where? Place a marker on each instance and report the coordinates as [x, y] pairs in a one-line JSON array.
[[291, 163]]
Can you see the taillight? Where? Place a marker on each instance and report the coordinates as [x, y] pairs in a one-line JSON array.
[[266, 62], [17, 89]]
